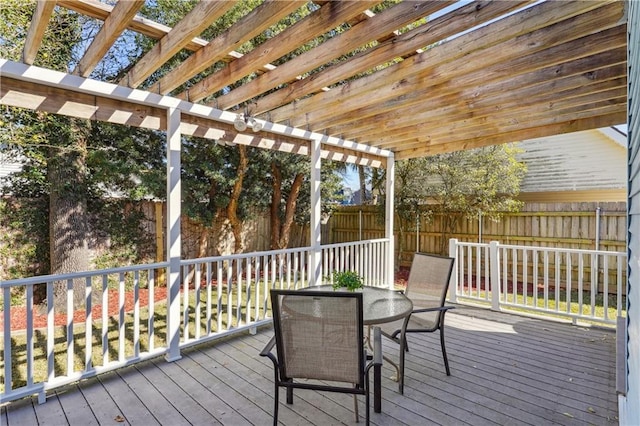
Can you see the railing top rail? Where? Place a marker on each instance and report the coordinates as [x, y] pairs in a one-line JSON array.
[[539, 248], [243, 255], [355, 243], [41, 279], [275, 252]]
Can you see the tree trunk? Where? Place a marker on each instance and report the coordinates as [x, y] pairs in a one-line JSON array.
[[68, 209], [276, 197], [363, 185], [232, 207], [290, 210]]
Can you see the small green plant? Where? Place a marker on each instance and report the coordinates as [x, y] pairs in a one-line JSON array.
[[348, 279]]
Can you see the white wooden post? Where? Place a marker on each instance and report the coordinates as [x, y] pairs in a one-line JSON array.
[[388, 220], [494, 272], [453, 282], [174, 187], [315, 273]]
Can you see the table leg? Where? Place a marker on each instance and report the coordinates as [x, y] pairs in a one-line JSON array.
[[377, 370]]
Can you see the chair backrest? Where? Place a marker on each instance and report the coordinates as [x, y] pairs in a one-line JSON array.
[[429, 280], [319, 335]]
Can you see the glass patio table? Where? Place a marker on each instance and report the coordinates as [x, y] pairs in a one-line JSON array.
[[379, 305]]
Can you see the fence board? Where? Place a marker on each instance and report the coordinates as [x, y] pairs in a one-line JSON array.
[[568, 225]]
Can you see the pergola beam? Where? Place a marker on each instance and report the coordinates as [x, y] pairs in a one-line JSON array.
[[452, 102], [45, 90], [402, 45], [117, 21], [303, 31], [430, 73], [200, 17], [544, 129], [399, 15], [461, 55], [38, 26], [247, 27]]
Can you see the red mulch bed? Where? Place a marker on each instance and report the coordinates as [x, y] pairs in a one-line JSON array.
[[19, 313]]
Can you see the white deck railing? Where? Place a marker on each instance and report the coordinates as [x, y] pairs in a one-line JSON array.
[[219, 296], [583, 285]]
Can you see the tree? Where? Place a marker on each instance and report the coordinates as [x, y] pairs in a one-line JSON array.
[[461, 184], [62, 142], [70, 164]]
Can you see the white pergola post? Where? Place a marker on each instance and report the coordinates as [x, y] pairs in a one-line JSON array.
[[174, 200], [315, 268], [388, 219]]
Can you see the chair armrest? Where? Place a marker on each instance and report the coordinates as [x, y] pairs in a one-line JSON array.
[[436, 309], [267, 351]]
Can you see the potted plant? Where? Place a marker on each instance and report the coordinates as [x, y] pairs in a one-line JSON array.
[[347, 279]]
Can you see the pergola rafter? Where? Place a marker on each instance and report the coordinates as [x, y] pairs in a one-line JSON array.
[[430, 73]]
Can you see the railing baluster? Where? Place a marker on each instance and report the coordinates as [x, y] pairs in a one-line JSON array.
[[605, 284], [514, 274], [6, 304], [198, 295], [30, 359], [568, 281], [70, 340], [88, 324], [546, 279], [151, 308], [105, 319], [185, 303], [580, 282], [229, 304], [219, 284], [121, 323], [536, 261]]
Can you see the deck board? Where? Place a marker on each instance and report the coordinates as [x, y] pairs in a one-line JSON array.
[[506, 369]]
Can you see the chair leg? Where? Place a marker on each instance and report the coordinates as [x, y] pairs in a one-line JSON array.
[[275, 408], [355, 408], [403, 349], [366, 398], [444, 351], [289, 395]]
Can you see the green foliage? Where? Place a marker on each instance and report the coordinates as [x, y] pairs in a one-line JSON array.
[[459, 184], [347, 279], [23, 251]]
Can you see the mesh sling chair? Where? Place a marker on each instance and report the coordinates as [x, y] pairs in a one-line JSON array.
[[427, 288], [319, 337]]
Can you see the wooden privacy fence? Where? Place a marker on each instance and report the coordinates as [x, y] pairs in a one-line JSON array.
[[589, 226]]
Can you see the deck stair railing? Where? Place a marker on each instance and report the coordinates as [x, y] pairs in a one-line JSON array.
[[582, 285], [125, 313]]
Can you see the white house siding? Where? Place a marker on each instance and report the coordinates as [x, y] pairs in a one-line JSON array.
[[588, 161], [630, 403], [7, 166]]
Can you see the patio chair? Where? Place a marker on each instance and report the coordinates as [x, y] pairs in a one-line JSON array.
[[319, 344], [427, 288]]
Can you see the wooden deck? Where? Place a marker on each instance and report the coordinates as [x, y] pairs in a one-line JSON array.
[[506, 369]]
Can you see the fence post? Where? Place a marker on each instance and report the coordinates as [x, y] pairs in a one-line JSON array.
[[494, 274], [453, 252]]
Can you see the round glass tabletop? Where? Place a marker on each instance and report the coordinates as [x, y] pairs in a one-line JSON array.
[[380, 305]]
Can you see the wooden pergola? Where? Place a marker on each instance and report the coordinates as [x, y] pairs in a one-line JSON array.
[[426, 78]]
